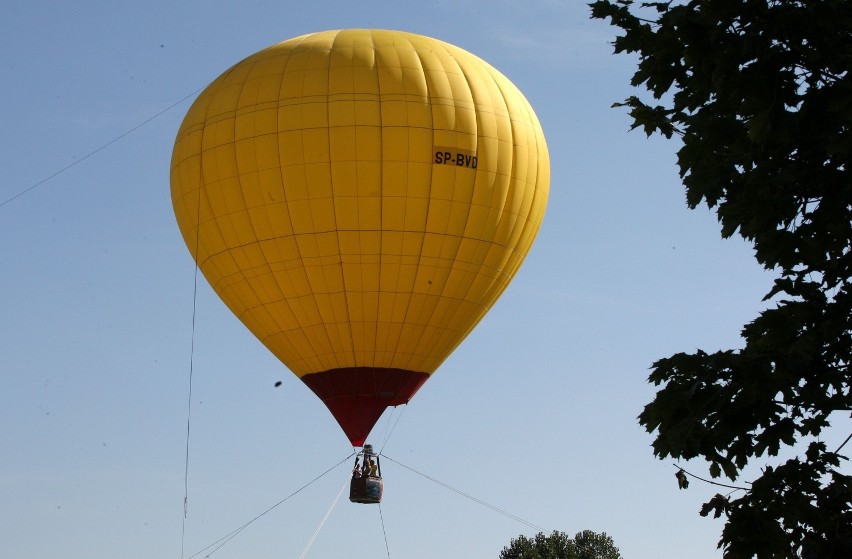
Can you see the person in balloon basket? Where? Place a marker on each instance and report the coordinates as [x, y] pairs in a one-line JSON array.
[[356, 471], [371, 469]]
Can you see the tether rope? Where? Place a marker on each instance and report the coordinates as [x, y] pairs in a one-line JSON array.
[[188, 418], [323, 521], [383, 434], [393, 427], [101, 148], [189, 391], [468, 496], [231, 535], [382, 517]]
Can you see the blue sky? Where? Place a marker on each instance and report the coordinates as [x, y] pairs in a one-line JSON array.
[[534, 413]]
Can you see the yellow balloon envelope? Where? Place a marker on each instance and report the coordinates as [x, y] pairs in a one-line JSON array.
[[360, 199]]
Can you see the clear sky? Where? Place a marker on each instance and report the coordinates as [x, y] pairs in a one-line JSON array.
[[535, 413]]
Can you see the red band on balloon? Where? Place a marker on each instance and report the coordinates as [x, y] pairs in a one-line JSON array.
[[357, 396]]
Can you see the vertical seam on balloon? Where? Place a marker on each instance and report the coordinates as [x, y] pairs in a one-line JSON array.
[[527, 237], [269, 217], [302, 358], [433, 341], [514, 179], [488, 298], [483, 304], [411, 354], [542, 174], [392, 350], [542, 171], [239, 178], [230, 214], [348, 322], [333, 355], [527, 112], [203, 184], [495, 289], [444, 329], [381, 202], [368, 360]]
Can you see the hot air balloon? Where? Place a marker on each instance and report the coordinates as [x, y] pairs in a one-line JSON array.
[[359, 199]]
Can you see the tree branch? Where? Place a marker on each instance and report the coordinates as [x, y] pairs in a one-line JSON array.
[[713, 482]]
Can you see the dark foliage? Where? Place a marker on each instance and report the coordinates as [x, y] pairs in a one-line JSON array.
[[759, 93], [585, 545]]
